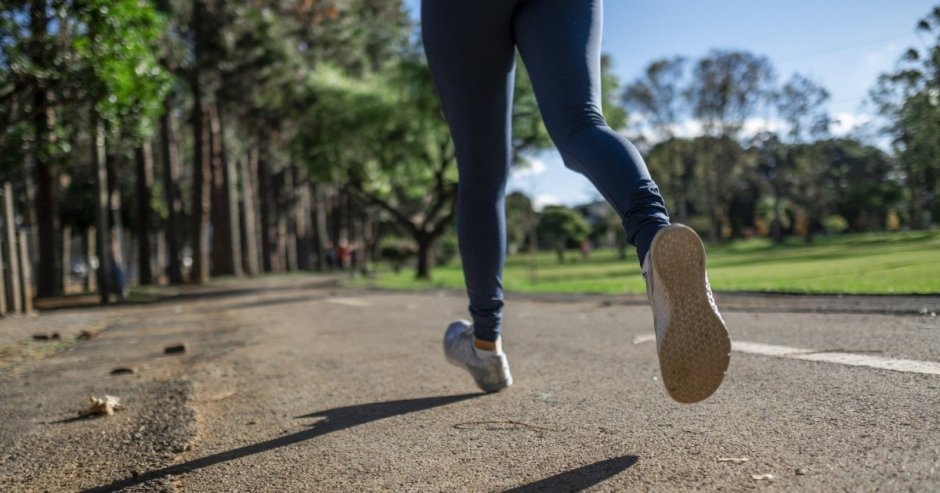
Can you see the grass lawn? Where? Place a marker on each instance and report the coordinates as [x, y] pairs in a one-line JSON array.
[[871, 263]]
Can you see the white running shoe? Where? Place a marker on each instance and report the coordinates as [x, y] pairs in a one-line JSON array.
[[691, 337], [490, 373]]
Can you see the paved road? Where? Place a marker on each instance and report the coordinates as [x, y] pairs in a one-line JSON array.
[[298, 385]]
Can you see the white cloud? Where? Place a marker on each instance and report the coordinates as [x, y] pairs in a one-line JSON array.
[[535, 167], [755, 125], [544, 199], [846, 122]]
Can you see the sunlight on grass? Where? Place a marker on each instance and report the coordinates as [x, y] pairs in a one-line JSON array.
[[873, 263]]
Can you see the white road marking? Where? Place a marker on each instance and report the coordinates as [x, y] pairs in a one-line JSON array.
[[348, 301], [850, 359], [838, 357], [640, 339]]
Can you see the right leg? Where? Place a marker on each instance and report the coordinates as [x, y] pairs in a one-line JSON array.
[[471, 54]]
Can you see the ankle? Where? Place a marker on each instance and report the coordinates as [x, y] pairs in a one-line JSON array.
[[484, 349]]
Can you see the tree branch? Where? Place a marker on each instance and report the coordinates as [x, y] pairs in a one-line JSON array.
[[374, 200]]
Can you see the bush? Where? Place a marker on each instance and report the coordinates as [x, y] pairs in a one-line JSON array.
[[446, 249], [835, 224], [396, 251]]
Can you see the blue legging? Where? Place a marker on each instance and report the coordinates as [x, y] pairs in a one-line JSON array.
[[470, 46]]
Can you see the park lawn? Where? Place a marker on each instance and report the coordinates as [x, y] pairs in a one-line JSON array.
[[870, 263]]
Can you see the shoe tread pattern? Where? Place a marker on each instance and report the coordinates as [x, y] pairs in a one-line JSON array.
[[695, 350]]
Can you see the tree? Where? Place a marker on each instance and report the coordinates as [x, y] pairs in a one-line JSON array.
[[657, 98], [861, 181], [727, 87], [908, 98], [384, 138], [67, 57], [521, 220], [559, 225]]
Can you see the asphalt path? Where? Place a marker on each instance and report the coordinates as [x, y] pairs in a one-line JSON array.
[[299, 385]]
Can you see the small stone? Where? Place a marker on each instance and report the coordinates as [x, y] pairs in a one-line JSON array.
[[175, 349], [121, 370], [801, 471], [85, 335]]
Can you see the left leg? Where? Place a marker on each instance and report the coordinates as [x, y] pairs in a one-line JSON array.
[[560, 44], [559, 41]]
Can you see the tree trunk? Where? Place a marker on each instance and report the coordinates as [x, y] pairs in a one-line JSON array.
[[102, 227], [268, 213], [226, 246], [425, 254], [144, 157], [302, 214], [47, 202], [91, 259], [323, 244], [159, 274], [66, 257], [202, 181], [288, 190], [10, 251], [116, 246], [3, 288], [29, 212], [249, 216], [560, 251], [171, 179], [776, 225], [231, 194], [26, 276]]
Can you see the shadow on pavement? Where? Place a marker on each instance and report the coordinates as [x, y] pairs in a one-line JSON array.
[[176, 294], [335, 420], [580, 478]]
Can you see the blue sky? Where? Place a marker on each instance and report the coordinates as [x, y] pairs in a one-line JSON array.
[[841, 44]]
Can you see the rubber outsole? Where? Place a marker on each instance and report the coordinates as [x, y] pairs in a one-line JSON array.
[[695, 351]]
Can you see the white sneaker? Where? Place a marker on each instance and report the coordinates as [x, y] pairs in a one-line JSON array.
[[490, 373], [691, 337]]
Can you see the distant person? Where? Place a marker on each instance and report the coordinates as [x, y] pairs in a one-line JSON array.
[[470, 46]]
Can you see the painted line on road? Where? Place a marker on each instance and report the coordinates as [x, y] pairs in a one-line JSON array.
[[838, 357], [348, 301], [644, 338], [842, 358]]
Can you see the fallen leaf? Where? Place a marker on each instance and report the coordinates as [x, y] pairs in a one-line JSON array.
[[86, 334], [177, 348], [104, 405]]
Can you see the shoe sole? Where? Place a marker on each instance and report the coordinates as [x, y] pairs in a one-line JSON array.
[[695, 350], [484, 387]]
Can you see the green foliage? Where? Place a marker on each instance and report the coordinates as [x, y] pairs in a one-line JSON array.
[[835, 224], [908, 98], [127, 84], [520, 219], [560, 225], [615, 115]]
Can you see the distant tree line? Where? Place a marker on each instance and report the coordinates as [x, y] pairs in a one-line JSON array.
[[171, 141]]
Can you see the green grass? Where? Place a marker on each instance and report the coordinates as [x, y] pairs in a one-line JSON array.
[[871, 263]]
